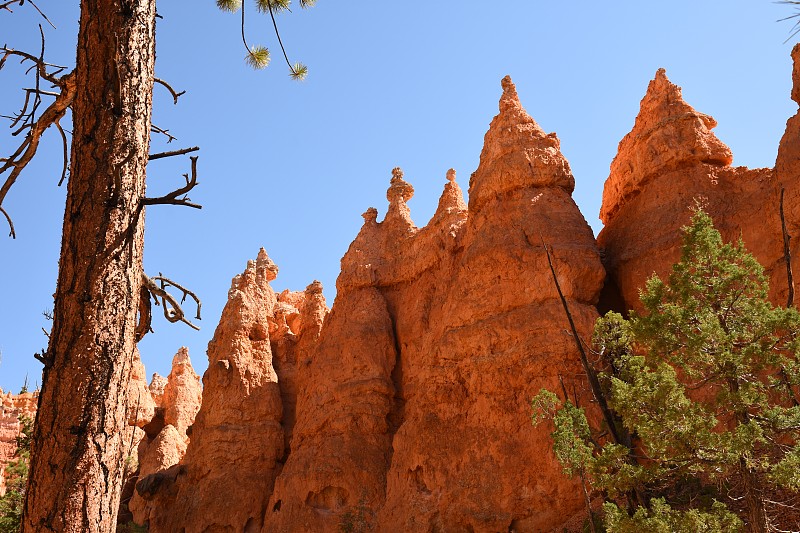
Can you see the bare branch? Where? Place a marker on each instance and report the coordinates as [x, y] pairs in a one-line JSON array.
[[182, 151], [5, 5], [41, 13], [27, 149], [65, 153], [174, 198], [174, 94], [12, 233], [52, 77], [166, 133], [173, 312]]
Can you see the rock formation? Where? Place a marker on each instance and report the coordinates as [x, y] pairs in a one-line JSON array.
[[407, 407], [165, 440], [12, 407], [668, 163], [239, 438]]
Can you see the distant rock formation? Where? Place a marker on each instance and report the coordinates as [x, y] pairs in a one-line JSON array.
[[165, 437], [242, 431], [12, 407]]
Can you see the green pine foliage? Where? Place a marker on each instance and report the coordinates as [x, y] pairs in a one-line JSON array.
[[258, 57], [705, 381]]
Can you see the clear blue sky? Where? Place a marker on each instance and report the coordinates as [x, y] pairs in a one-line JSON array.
[[291, 166]]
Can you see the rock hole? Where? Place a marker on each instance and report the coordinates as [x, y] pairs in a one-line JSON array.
[[328, 499], [252, 526], [276, 507], [257, 333]]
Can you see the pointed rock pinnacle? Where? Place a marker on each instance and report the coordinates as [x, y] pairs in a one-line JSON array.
[[265, 264], [399, 189], [370, 215], [668, 134], [510, 98]]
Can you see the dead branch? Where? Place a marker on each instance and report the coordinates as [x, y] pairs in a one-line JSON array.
[[787, 254], [41, 13], [166, 133], [594, 382], [5, 5], [173, 312], [39, 64], [12, 233], [173, 153], [178, 196], [65, 152], [17, 161], [174, 94], [143, 327]]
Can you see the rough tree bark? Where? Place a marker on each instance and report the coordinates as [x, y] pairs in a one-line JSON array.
[[77, 462]]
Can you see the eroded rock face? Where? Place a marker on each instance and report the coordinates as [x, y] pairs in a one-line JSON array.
[[12, 407], [407, 408], [669, 163], [165, 440], [237, 441], [787, 170], [415, 409]]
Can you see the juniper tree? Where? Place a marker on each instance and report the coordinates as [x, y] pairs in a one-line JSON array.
[[706, 379], [102, 299]]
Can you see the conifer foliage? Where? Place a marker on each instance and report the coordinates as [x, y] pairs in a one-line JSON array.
[[706, 382]]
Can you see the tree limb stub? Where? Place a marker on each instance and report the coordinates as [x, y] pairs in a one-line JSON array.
[[161, 155]]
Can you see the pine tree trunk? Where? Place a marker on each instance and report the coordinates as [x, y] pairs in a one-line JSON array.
[[77, 464], [756, 514]]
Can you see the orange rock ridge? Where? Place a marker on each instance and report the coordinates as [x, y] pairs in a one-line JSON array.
[[409, 404]]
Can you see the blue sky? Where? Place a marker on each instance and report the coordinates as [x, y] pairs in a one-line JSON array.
[[291, 166]]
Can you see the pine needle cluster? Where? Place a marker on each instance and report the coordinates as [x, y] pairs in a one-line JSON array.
[[258, 57]]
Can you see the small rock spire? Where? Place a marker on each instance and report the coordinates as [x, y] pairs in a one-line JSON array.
[[451, 204], [399, 192], [510, 98], [266, 265], [517, 154], [796, 73]]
